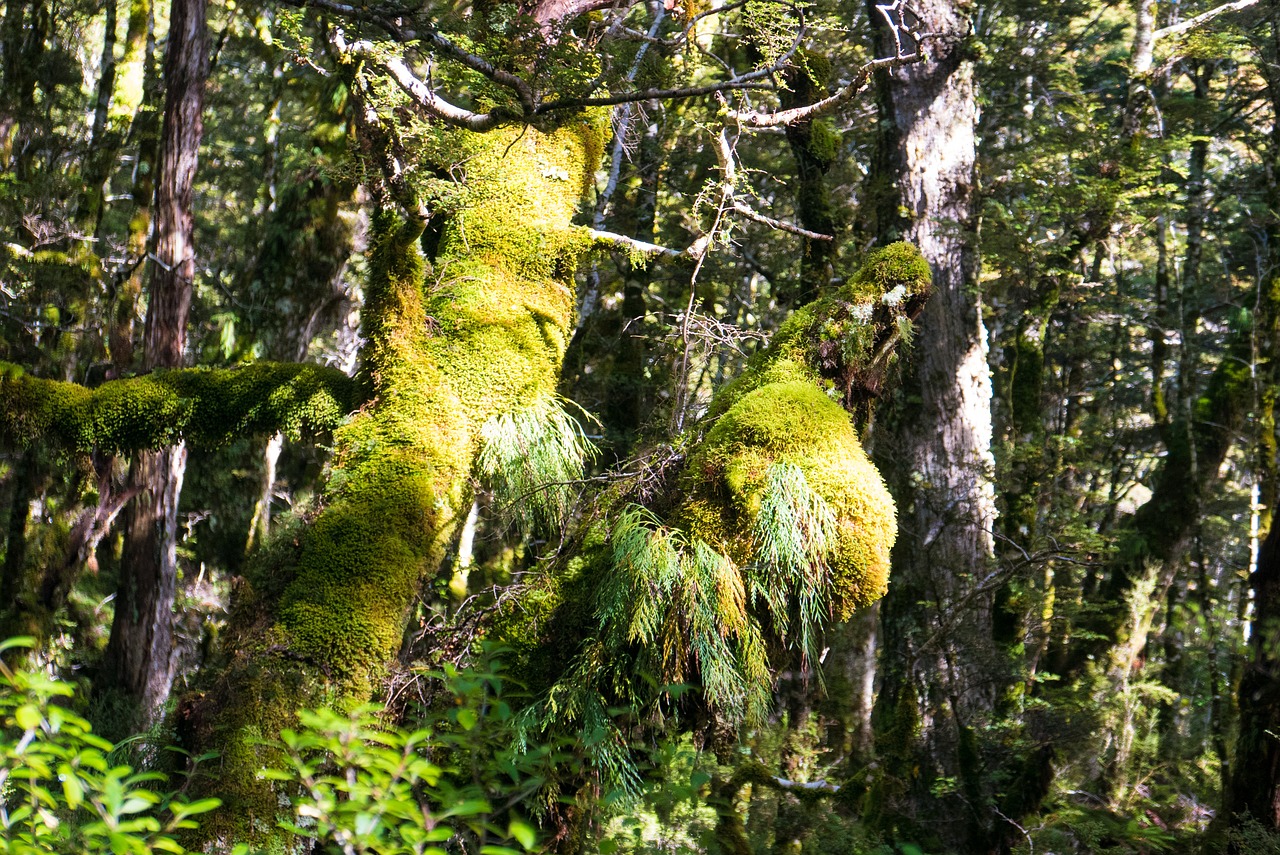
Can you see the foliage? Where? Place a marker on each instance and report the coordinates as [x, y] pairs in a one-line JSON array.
[[530, 459], [362, 785], [60, 789]]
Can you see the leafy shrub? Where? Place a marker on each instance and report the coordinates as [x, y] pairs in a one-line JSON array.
[[60, 792], [456, 781]]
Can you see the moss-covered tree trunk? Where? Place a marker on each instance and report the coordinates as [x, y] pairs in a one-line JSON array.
[[476, 332], [138, 661]]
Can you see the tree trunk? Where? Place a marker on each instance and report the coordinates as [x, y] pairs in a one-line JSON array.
[[138, 659], [1255, 788], [486, 340], [1254, 792], [936, 618]]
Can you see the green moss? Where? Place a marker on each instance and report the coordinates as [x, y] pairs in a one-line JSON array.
[[794, 422], [478, 334], [824, 141], [891, 274], [833, 342], [207, 408]]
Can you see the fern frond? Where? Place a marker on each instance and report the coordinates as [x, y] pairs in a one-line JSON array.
[[530, 459], [794, 532]]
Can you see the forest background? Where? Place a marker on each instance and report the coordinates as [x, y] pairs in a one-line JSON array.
[[325, 206]]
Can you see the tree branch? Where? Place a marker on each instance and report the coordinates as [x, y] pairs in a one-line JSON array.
[[429, 36], [752, 214], [757, 119], [422, 94], [1202, 19], [207, 408], [630, 243]]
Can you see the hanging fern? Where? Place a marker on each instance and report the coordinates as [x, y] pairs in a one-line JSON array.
[[530, 459], [684, 606], [794, 531]]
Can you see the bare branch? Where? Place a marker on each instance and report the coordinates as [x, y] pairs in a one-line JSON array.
[[758, 217], [1202, 19], [423, 95], [751, 80], [550, 12], [429, 36], [634, 244], [757, 119]]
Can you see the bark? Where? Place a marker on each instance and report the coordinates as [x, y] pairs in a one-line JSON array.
[[25, 27], [815, 145], [100, 153], [26, 476], [108, 134], [1254, 792], [1255, 787], [936, 620], [138, 661]]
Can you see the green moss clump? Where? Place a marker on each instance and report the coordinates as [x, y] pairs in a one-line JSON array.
[[824, 141], [846, 341], [794, 422], [207, 408]]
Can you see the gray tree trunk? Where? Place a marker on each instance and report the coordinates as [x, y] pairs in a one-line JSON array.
[[139, 657], [936, 685]]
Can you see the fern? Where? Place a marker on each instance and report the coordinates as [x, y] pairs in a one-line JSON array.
[[531, 459], [794, 531], [684, 606]]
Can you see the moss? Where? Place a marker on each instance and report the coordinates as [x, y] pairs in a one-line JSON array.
[[793, 421], [824, 141], [208, 408], [834, 341], [478, 333], [892, 273]]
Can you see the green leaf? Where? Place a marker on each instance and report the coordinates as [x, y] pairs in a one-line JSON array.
[[72, 789], [18, 641], [524, 833], [467, 718], [28, 717], [192, 808]]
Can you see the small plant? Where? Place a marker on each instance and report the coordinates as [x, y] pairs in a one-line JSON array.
[[364, 788], [59, 790]]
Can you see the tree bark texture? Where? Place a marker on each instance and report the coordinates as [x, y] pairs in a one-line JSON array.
[[1254, 792], [936, 683], [138, 660]]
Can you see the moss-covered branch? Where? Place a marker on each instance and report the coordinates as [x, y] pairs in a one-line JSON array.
[[206, 408], [775, 524], [786, 409]]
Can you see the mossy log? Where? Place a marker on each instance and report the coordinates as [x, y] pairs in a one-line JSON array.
[[206, 408]]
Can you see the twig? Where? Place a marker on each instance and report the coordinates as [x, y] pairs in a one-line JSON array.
[[752, 214], [757, 119], [635, 244]]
